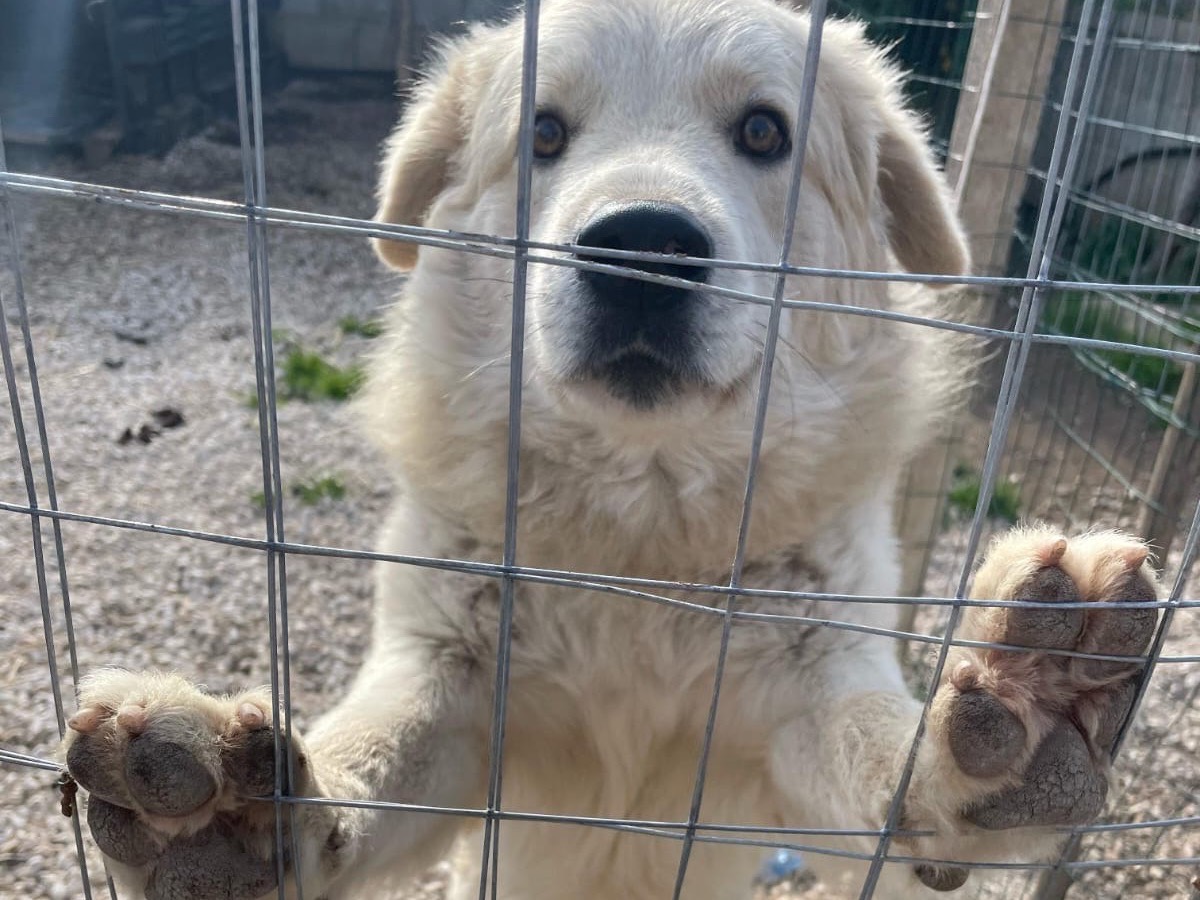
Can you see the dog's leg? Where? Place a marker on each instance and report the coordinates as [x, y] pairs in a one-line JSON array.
[[411, 731], [1018, 740], [172, 772], [835, 765]]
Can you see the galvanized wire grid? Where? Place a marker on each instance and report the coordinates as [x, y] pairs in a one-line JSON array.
[[1131, 215], [1044, 278]]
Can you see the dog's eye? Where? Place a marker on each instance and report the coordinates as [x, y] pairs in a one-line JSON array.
[[549, 136], [762, 134]]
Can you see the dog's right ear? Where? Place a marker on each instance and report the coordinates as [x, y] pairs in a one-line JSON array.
[[417, 156]]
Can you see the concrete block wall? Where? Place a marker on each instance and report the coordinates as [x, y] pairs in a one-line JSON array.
[[372, 35]]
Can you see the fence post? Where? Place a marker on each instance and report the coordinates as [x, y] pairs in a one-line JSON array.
[[1168, 490], [996, 130], [920, 520], [997, 121]]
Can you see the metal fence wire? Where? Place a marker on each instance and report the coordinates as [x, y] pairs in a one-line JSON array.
[[1070, 135]]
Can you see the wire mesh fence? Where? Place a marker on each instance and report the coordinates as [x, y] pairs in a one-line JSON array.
[[1089, 417], [1129, 433], [1131, 219]]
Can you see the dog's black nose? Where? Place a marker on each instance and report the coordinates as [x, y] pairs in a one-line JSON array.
[[651, 227], [640, 338]]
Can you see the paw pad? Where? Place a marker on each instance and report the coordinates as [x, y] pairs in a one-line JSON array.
[[170, 771], [120, 834], [1046, 628], [1061, 787], [167, 778], [89, 762], [985, 736], [213, 864], [1035, 727], [250, 763]]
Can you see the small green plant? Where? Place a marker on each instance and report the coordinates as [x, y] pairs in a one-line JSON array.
[[307, 376], [1113, 248], [315, 490], [963, 498], [366, 328], [1118, 249], [310, 492]]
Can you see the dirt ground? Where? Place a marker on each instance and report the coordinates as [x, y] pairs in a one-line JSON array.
[[134, 312]]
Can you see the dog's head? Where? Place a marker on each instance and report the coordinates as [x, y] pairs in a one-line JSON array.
[[666, 126]]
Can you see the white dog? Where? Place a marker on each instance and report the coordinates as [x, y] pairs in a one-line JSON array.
[[664, 126]]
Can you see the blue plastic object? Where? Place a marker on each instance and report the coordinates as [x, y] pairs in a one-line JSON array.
[[779, 865]]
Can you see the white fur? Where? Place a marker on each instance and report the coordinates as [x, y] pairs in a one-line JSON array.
[[609, 695]]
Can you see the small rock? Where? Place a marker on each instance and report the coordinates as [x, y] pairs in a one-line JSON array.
[[143, 435], [168, 417], [139, 338]]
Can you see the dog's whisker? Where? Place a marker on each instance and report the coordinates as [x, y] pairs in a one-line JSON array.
[[499, 360]]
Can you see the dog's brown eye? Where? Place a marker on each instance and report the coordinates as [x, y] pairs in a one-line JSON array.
[[549, 136], [762, 134]]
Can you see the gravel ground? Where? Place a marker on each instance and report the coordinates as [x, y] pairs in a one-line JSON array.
[[134, 312]]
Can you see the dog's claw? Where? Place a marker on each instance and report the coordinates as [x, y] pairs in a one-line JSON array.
[[942, 878], [86, 721]]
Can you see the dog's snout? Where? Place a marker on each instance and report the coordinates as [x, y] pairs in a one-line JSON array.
[[649, 227], [640, 336]]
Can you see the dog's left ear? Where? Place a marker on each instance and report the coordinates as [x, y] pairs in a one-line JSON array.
[[922, 228], [888, 150]]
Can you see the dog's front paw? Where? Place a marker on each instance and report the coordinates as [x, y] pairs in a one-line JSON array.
[[1022, 738], [170, 773]]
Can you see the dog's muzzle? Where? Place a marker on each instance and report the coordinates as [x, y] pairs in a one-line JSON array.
[[640, 337]]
